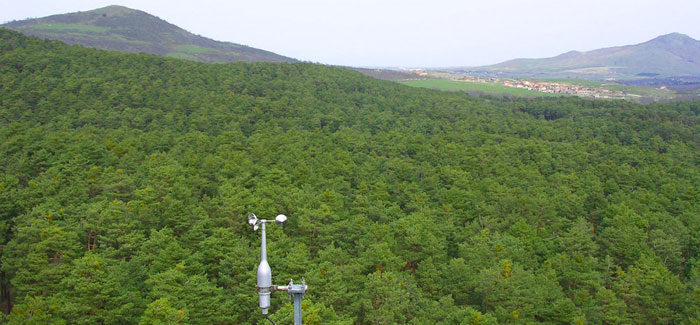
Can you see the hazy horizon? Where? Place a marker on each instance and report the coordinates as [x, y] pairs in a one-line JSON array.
[[408, 34]]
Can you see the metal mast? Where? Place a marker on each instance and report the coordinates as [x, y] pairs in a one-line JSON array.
[[264, 286]]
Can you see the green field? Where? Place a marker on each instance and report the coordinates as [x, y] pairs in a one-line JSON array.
[[180, 55], [487, 88], [71, 27], [635, 93], [194, 49]]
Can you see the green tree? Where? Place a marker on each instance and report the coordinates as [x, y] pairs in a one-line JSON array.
[[312, 314], [624, 236], [387, 298], [513, 294], [201, 301], [651, 292], [39, 256], [161, 312], [92, 294]]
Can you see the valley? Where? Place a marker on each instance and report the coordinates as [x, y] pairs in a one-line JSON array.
[[522, 87]]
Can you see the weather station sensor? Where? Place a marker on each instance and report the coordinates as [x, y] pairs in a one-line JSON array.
[[264, 286]]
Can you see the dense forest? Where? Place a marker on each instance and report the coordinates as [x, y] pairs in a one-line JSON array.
[[126, 179]]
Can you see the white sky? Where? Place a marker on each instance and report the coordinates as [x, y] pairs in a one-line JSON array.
[[407, 33]]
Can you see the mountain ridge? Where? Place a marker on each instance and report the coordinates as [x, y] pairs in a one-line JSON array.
[[673, 54], [130, 30]]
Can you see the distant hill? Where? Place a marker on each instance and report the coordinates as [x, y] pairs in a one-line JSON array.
[[128, 30], [391, 74], [665, 56]]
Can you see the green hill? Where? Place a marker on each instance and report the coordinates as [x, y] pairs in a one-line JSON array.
[[128, 30], [126, 179], [665, 56]]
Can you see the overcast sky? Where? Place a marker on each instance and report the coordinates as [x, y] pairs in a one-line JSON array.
[[407, 33]]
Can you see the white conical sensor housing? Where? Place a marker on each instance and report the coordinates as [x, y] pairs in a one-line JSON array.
[[264, 284], [264, 275]]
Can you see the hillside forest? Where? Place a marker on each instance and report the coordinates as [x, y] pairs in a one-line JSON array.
[[126, 179]]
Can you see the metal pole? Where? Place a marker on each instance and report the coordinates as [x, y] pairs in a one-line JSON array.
[[265, 287], [297, 309], [296, 292], [263, 243]]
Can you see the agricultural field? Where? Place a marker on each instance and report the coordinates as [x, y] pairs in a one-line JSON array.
[[474, 87], [631, 93], [656, 93]]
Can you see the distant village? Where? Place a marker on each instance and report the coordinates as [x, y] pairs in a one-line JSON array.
[[550, 87]]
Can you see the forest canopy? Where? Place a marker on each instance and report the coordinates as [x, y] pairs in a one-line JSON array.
[[126, 179]]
